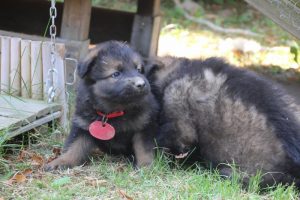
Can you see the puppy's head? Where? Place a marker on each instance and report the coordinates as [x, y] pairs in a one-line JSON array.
[[177, 138], [113, 71]]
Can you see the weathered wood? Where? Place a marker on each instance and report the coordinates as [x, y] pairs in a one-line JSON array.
[[5, 64], [33, 125], [17, 112], [76, 19], [9, 123], [284, 13], [60, 83], [38, 108], [149, 7], [25, 69], [24, 117], [0, 65], [146, 27], [145, 34], [46, 61], [36, 70], [15, 66]]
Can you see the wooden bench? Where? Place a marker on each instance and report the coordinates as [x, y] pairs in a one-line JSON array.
[[24, 85]]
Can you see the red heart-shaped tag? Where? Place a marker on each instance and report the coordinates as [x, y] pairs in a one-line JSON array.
[[101, 132]]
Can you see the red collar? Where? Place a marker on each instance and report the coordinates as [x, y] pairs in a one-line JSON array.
[[111, 115]]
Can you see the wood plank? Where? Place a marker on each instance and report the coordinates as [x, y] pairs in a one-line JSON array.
[[284, 13], [33, 125], [39, 108], [61, 84], [36, 70], [15, 66], [0, 65], [149, 7], [9, 123], [5, 64], [47, 77], [76, 19], [145, 34], [25, 69]]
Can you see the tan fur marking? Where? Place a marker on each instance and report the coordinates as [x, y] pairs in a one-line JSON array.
[[144, 157], [76, 154]]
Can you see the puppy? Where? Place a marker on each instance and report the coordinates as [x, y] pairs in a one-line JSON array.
[[227, 115], [115, 109]]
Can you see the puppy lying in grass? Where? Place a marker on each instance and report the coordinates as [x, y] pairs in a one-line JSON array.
[[229, 116]]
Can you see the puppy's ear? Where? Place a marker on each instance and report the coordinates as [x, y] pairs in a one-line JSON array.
[[85, 65], [152, 65]]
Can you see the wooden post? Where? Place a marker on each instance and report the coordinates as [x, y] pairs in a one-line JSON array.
[[146, 27], [76, 19]]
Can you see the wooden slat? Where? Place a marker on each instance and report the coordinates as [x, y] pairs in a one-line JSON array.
[[25, 69], [60, 81], [9, 123], [0, 65], [36, 70], [76, 19], [15, 66], [39, 108], [33, 125], [46, 55], [5, 64]]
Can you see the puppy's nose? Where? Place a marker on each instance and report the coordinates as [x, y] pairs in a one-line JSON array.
[[139, 83]]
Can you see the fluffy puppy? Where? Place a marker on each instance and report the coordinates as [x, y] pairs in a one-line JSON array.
[[112, 94], [227, 115]]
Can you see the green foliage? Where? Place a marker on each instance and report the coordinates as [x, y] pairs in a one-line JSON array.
[[295, 50]]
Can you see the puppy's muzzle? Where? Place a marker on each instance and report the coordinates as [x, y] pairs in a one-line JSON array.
[[138, 83]]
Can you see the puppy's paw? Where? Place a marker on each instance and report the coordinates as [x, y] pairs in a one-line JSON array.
[[59, 163]]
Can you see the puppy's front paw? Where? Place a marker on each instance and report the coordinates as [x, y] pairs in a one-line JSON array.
[[60, 163]]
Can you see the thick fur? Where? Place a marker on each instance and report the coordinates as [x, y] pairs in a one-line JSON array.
[[101, 89], [227, 115]]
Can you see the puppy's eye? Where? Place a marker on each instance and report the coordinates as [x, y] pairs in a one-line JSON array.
[[140, 69], [116, 74]]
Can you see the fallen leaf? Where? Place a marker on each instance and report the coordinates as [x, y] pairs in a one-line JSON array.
[[17, 178], [124, 195], [56, 151], [20, 178], [37, 160], [27, 172]]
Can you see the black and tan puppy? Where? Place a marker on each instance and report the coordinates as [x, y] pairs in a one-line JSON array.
[[112, 94], [227, 115]]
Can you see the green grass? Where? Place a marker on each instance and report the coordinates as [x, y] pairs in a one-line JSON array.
[[108, 177]]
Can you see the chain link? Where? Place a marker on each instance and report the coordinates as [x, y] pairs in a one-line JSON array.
[[52, 70]]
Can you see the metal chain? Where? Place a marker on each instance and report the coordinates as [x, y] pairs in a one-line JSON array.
[[52, 70]]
